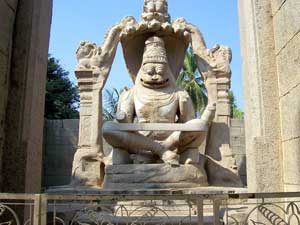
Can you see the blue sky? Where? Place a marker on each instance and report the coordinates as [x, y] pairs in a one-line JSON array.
[[77, 20]]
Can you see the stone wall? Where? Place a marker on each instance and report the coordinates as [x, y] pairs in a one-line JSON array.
[[7, 18], [61, 137], [24, 41], [60, 143], [271, 71], [286, 21], [237, 143]]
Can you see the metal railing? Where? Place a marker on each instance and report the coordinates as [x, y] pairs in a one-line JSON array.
[[148, 209]]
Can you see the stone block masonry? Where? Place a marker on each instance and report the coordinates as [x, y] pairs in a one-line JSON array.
[[270, 41], [237, 143], [7, 18], [60, 144], [24, 41]]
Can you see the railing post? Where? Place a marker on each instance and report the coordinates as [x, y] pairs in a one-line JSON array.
[[216, 210], [40, 210], [200, 211], [36, 210], [43, 209]]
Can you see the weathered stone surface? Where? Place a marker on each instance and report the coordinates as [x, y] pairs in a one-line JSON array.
[[291, 159], [202, 127], [241, 164], [25, 108], [162, 175], [237, 123], [70, 124], [12, 4], [261, 91], [265, 168], [288, 64], [276, 5], [4, 66], [286, 23], [291, 187], [7, 17], [290, 117], [60, 144], [6, 27]]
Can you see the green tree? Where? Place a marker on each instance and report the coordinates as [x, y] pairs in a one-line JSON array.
[[111, 99], [192, 81], [235, 111], [62, 96]]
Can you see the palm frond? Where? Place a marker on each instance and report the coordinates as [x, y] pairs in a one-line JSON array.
[[192, 81], [110, 104]]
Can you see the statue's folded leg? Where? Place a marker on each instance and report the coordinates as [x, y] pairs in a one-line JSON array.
[[187, 143], [179, 139], [133, 142]]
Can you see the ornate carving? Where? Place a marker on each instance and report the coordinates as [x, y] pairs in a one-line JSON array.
[[156, 10], [88, 55]]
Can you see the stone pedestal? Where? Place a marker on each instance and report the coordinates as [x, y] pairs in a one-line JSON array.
[[153, 176]]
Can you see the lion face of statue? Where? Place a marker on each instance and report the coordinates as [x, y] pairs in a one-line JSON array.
[[154, 75], [156, 9], [86, 50], [160, 6]]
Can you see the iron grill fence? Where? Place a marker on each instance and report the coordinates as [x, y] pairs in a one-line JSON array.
[[148, 209]]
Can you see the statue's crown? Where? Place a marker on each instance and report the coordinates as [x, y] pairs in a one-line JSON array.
[[156, 10], [155, 51]]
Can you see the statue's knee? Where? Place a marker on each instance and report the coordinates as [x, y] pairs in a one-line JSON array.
[[107, 133]]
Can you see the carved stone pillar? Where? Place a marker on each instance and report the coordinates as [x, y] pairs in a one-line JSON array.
[[223, 101], [85, 84], [88, 170]]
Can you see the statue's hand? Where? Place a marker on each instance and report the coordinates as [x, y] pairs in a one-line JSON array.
[[180, 26], [127, 25], [85, 53], [127, 21], [219, 60]]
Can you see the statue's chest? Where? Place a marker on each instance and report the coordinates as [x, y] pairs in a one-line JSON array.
[[160, 108]]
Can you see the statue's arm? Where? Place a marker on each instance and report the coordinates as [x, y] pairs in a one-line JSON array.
[[108, 49], [110, 44], [186, 108], [100, 59], [126, 110]]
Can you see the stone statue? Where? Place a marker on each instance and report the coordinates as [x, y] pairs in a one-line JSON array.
[[157, 141], [156, 99]]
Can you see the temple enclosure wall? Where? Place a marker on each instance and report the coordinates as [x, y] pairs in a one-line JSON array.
[[24, 40], [270, 41]]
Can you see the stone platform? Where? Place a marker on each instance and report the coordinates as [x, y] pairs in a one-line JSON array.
[[153, 176]]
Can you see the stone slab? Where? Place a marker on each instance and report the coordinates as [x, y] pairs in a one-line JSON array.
[[7, 17], [286, 23], [141, 186], [290, 114], [291, 162], [12, 4], [276, 5], [288, 64], [236, 123], [155, 127], [291, 187], [71, 124], [206, 192], [153, 176]]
